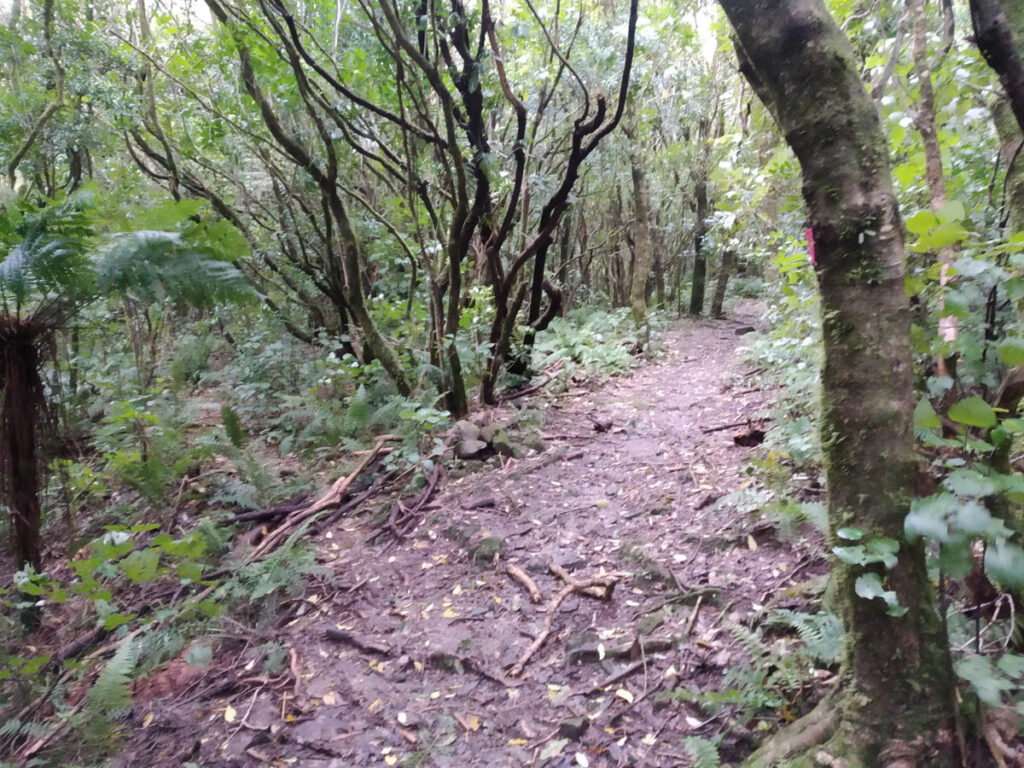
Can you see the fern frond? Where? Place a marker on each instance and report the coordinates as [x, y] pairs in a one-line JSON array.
[[703, 752], [820, 633], [112, 689]]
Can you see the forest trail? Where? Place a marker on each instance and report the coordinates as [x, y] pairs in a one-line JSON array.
[[426, 629]]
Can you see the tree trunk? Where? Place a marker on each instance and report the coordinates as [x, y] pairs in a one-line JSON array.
[[728, 258], [925, 122], [700, 259], [21, 401], [994, 35], [642, 258], [894, 705]]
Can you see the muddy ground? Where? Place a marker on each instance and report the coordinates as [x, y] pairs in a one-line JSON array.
[[405, 652]]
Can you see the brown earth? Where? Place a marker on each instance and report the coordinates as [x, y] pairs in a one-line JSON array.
[[427, 630]]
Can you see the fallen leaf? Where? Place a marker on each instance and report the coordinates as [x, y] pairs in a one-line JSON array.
[[553, 749], [751, 543], [329, 698], [391, 759], [147, 720], [582, 761], [625, 695], [230, 715]]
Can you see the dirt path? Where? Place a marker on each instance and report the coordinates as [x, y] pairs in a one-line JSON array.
[[427, 629]]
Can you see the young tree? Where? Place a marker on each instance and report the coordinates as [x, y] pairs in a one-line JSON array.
[[894, 705]]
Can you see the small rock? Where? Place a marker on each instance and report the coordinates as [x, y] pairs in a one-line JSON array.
[[480, 502], [484, 552], [502, 445], [469, 449], [743, 330], [487, 433], [467, 430], [574, 727]]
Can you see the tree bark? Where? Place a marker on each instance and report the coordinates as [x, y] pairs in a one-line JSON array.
[[894, 705], [724, 270], [994, 36], [642, 250], [949, 325], [700, 258]]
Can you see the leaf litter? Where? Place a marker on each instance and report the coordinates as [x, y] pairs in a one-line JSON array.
[[539, 610]]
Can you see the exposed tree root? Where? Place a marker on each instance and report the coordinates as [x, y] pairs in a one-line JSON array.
[[824, 739]]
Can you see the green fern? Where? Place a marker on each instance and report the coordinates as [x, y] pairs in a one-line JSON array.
[[112, 689], [232, 425], [820, 633], [703, 752], [750, 642]]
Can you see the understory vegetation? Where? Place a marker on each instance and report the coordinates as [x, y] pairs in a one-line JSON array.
[[263, 262]]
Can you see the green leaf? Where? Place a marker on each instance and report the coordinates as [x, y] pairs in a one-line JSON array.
[[115, 620], [987, 684], [141, 565], [951, 210], [1011, 351], [883, 551], [190, 571], [921, 222], [1005, 563], [967, 483], [929, 517], [1011, 664], [925, 416], [851, 555], [869, 586], [850, 533], [973, 412]]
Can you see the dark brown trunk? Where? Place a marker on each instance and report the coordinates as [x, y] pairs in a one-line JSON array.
[[20, 406], [700, 258]]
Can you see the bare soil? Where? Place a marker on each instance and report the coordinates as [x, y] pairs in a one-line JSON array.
[[405, 653]]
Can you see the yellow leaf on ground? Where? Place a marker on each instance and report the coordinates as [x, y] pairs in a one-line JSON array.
[[625, 695], [230, 715]]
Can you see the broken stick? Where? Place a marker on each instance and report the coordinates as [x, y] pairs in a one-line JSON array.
[[608, 581], [564, 575], [529, 584]]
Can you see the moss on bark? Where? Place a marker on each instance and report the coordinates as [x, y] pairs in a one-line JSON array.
[[894, 705]]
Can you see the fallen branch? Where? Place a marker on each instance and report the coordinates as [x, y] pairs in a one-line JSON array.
[[503, 398], [744, 423], [608, 581], [567, 577], [529, 584], [331, 498], [367, 646], [404, 514]]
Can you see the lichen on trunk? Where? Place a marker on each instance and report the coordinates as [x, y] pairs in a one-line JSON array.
[[894, 705]]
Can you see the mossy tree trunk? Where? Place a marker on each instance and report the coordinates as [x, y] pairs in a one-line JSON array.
[[642, 259], [724, 270], [894, 705]]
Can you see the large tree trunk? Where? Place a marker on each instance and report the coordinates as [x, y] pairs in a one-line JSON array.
[[894, 706]]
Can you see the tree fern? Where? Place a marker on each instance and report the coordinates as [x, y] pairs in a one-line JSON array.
[[154, 265]]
